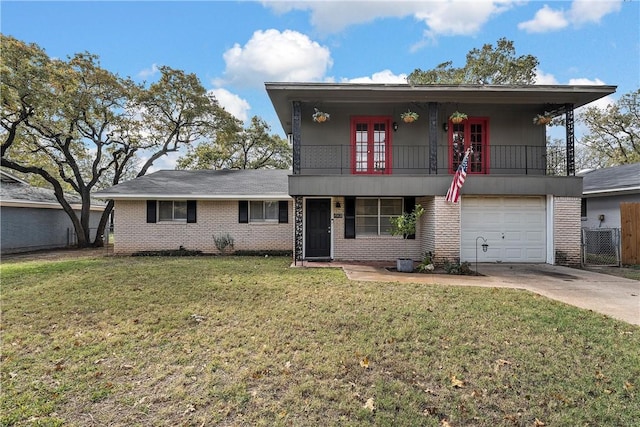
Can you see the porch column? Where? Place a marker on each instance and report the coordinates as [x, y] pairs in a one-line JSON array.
[[298, 227], [296, 121], [433, 138], [571, 161]]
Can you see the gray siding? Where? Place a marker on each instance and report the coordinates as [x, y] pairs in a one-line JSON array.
[[516, 145], [27, 229], [385, 185]]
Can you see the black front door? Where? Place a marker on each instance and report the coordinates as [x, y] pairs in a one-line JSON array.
[[318, 228]]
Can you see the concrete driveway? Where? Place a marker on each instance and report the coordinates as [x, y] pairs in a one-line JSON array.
[[610, 295]]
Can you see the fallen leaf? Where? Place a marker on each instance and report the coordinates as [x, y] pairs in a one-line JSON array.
[[370, 405], [538, 423], [445, 423], [628, 386], [364, 362], [456, 382]]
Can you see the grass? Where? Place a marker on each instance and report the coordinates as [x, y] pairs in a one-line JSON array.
[[248, 341]]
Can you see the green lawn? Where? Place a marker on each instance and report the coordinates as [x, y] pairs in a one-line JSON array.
[[249, 341]]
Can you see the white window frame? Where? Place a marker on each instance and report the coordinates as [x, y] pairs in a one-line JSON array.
[[174, 211], [253, 204], [379, 216]]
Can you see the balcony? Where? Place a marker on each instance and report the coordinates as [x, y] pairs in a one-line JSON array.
[[414, 160]]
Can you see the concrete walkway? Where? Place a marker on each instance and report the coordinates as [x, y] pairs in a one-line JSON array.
[[613, 296]]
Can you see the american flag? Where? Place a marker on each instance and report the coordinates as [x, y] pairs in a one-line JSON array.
[[453, 195]]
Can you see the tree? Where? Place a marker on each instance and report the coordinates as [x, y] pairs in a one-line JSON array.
[[613, 136], [238, 148], [489, 65], [79, 127]]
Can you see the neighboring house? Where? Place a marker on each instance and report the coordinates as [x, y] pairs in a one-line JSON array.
[[364, 165], [32, 218], [170, 209], [603, 190]]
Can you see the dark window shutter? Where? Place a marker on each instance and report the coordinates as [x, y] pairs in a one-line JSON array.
[[283, 211], [409, 204], [151, 211], [243, 211], [349, 217], [191, 211]]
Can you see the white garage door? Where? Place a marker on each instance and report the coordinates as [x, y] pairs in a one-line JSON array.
[[515, 229]]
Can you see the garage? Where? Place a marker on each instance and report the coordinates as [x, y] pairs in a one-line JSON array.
[[515, 229]]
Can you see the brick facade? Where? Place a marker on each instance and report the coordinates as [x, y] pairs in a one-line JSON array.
[[371, 248], [133, 233], [566, 230], [446, 230]]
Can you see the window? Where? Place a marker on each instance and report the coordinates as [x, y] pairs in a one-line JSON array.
[[371, 145], [263, 211], [260, 211], [171, 211], [373, 215], [470, 133]]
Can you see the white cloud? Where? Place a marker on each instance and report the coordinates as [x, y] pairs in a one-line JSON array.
[[335, 16], [232, 103], [580, 12], [385, 76], [272, 55], [458, 17], [543, 78], [584, 11], [447, 17], [582, 81], [165, 162], [148, 72], [601, 103], [545, 20]]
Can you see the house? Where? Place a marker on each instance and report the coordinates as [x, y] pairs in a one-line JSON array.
[[364, 165], [170, 209], [603, 190], [32, 219], [611, 215]]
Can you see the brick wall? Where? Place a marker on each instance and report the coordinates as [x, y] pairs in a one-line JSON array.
[[371, 248], [133, 233], [446, 225], [566, 230]]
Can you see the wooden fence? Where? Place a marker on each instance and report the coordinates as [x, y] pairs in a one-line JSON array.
[[630, 231]]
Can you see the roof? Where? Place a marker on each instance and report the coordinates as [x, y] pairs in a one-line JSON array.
[[14, 192], [203, 184], [548, 97], [624, 179]]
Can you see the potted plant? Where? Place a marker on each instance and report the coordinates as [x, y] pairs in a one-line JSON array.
[[409, 116], [457, 117], [405, 226], [542, 119], [320, 116]]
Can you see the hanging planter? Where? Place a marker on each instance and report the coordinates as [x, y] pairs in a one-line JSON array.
[[542, 119], [320, 116], [409, 116], [457, 117]]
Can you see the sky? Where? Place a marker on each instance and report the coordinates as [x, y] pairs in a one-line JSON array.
[[234, 47]]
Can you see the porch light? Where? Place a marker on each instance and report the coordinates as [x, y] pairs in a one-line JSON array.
[[445, 127], [395, 126], [485, 247]]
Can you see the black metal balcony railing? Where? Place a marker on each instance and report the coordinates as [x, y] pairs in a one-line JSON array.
[[414, 159]]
